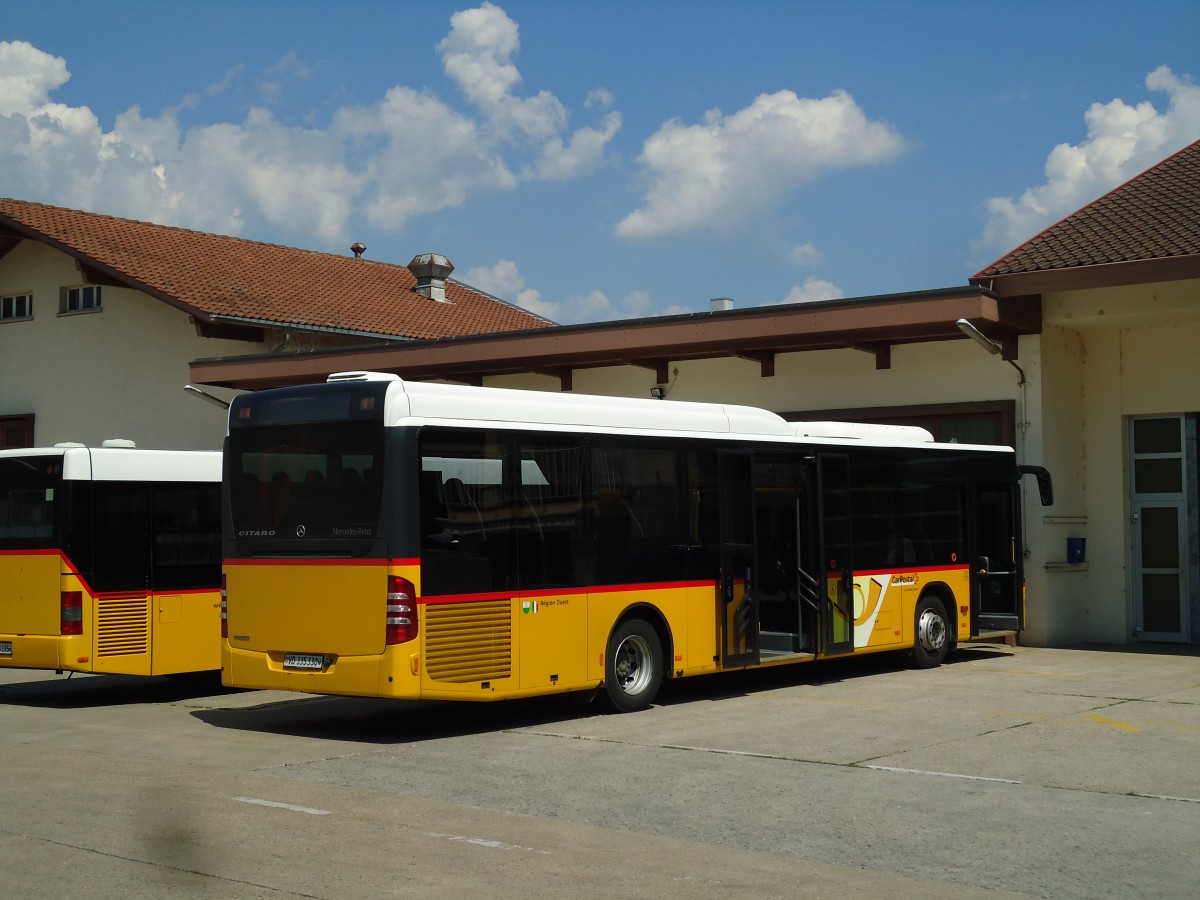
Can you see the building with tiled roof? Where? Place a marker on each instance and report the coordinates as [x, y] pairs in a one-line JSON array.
[[96, 311], [1114, 401], [1148, 229]]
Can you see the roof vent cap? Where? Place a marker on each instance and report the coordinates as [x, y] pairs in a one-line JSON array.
[[358, 248], [431, 271], [119, 444], [362, 376], [720, 304]]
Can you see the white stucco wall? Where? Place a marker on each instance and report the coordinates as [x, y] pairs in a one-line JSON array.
[[1110, 354], [115, 373]]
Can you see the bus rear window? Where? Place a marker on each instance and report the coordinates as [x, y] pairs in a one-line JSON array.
[[30, 489], [318, 481]]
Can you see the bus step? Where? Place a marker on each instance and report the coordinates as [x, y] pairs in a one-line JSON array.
[[996, 637]]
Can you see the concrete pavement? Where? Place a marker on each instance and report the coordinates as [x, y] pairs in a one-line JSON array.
[[1034, 772]]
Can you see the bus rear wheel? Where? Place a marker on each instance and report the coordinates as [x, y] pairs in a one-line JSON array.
[[633, 666], [932, 639]]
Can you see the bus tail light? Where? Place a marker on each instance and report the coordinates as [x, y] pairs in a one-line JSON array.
[[224, 607], [71, 617], [401, 610]]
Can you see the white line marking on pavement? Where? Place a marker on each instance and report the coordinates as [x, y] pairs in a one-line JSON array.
[[288, 806], [942, 774], [483, 842], [1165, 797]]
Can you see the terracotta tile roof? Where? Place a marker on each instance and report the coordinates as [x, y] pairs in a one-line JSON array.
[[1154, 216], [217, 278]]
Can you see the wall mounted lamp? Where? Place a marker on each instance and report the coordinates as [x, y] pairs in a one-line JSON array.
[[978, 336], [658, 392], [205, 395]]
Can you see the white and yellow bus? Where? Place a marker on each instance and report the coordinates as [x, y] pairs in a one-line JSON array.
[[110, 559], [417, 540]]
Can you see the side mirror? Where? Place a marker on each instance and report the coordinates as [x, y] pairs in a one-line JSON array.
[[1045, 485], [985, 565]]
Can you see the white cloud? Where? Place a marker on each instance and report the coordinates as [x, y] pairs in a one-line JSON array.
[[804, 255], [408, 154], [504, 280], [562, 162], [720, 174], [27, 76], [814, 289], [1123, 140]]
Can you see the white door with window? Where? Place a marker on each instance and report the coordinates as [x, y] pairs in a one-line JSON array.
[[1161, 491]]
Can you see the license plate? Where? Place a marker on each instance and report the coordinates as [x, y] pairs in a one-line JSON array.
[[303, 661], [5, 648]]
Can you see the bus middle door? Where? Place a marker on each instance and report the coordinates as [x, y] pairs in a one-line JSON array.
[[837, 601], [737, 600]]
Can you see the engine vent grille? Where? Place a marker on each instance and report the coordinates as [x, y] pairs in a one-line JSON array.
[[123, 626], [468, 641]]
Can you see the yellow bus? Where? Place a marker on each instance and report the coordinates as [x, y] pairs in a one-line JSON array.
[[417, 540], [110, 559]]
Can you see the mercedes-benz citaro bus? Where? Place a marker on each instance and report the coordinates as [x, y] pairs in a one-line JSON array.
[[386, 538], [110, 559]]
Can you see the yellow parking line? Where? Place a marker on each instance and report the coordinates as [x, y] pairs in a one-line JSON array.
[[1113, 722]]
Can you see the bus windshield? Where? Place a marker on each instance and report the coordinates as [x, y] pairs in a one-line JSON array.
[[306, 482], [30, 488]]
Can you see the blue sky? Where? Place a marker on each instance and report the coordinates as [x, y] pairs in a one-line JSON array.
[[594, 161]]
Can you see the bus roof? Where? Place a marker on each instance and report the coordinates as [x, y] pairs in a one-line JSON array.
[[436, 401], [81, 463]]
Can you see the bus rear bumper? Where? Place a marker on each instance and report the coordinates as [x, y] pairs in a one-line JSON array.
[[386, 675], [43, 651]]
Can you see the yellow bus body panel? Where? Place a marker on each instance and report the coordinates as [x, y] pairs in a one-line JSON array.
[[123, 634], [885, 606], [506, 646], [29, 593], [294, 607], [332, 610], [186, 632]]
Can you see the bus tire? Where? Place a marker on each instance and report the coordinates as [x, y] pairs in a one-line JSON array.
[[932, 633], [633, 666]]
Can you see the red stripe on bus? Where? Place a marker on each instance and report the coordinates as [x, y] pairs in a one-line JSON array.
[[561, 592], [321, 561], [957, 567]]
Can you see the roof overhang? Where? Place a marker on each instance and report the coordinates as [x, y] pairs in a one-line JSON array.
[[869, 324], [1082, 278]]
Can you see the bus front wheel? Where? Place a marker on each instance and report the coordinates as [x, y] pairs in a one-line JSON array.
[[633, 667], [933, 637]]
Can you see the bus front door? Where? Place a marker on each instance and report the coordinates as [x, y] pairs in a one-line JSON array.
[[737, 597], [837, 602], [996, 571]]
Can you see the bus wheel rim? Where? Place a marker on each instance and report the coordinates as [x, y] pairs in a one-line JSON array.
[[931, 631], [632, 664]]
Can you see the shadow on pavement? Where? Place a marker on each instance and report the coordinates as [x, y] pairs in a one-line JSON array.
[[80, 690], [378, 721], [375, 721]]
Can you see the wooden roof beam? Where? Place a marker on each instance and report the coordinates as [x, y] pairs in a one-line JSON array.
[[764, 358], [881, 352], [660, 367], [564, 376]]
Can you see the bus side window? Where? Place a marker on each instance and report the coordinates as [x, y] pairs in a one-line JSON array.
[[464, 545]]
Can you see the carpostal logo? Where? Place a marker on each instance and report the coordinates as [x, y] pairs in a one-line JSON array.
[[529, 606], [904, 579]]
